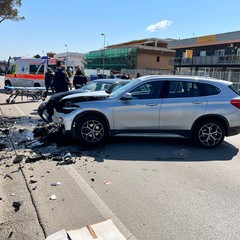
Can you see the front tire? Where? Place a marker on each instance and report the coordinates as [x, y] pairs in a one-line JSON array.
[[209, 133], [92, 131], [36, 85], [8, 83]]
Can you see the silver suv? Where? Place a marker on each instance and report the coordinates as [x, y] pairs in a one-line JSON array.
[[204, 109]]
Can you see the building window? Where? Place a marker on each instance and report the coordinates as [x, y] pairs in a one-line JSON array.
[[202, 53], [158, 59], [220, 52], [238, 52]]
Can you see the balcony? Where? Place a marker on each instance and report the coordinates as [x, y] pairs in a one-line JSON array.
[[207, 60]]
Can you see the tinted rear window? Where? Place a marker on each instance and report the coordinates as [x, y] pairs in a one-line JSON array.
[[209, 89], [233, 87]]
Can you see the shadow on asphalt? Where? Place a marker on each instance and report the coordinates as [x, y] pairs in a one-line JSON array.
[[163, 149], [133, 148]]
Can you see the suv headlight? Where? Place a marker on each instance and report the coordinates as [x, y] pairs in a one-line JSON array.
[[67, 107]]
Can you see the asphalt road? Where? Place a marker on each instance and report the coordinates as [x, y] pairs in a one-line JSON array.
[[151, 188]]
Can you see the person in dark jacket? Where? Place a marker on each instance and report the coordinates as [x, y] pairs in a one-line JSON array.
[[49, 81], [79, 78], [61, 81]]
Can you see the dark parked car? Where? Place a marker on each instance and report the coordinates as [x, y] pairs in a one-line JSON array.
[[45, 110]]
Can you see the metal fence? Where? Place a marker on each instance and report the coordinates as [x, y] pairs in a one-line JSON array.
[[226, 75]]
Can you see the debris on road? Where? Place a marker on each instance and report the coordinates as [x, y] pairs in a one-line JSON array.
[[2, 146], [8, 175], [55, 183], [53, 197], [66, 159], [32, 181], [18, 159], [10, 235], [107, 182], [17, 205], [32, 159], [47, 133], [66, 156]]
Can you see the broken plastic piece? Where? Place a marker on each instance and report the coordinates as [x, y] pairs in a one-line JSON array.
[[66, 159], [66, 156], [53, 197], [107, 182], [55, 183], [18, 159], [35, 158], [5, 130], [17, 205], [32, 181], [8, 175]]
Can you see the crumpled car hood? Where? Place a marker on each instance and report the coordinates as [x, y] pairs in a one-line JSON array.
[[58, 96], [86, 96]]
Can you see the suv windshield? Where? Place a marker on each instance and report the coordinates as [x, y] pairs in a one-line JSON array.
[[125, 87]]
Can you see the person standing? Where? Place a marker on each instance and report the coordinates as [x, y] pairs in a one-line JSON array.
[[61, 81], [111, 75], [124, 76], [79, 78], [49, 81]]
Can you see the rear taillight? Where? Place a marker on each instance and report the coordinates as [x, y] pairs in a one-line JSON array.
[[235, 102]]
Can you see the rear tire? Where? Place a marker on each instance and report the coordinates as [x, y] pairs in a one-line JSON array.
[[92, 131], [36, 85], [8, 83], [209, 133]]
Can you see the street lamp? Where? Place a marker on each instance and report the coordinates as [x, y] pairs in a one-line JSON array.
[[103, 49], [66, 53]]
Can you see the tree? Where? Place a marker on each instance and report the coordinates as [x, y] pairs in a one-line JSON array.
[[8, 10], [37, 56]]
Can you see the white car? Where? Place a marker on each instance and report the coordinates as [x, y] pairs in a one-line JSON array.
[[201, 108]]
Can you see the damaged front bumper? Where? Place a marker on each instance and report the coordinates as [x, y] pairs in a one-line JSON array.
[[43, 112]]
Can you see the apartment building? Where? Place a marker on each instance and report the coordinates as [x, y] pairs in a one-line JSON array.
[[212, 54]]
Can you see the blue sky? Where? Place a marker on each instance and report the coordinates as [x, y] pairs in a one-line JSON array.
[[50, 24]]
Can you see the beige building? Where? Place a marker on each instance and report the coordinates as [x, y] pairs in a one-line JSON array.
[[149, 55]]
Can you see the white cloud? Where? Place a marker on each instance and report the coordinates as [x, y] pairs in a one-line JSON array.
[[164, 24]]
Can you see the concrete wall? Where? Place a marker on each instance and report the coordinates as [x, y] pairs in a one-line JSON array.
[[149, 61]]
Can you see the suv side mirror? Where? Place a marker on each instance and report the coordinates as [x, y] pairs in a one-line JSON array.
[[126, 96]]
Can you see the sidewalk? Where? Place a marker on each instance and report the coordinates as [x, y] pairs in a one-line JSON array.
[[18, 216]]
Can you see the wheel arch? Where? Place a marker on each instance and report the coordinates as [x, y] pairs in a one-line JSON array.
[[7, 82], [219, 118], [86, 114], [36, 84]]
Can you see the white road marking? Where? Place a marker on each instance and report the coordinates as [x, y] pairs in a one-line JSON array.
[[19, 110], [100, 205]]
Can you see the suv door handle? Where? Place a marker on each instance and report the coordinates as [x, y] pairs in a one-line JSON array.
[[152, 104], [197, 102]]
